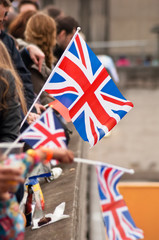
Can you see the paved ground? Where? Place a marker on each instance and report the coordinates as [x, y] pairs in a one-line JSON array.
[[133, 143]]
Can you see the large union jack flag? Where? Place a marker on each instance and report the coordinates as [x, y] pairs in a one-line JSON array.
[[82, 84], [45, 131], [117, 219]]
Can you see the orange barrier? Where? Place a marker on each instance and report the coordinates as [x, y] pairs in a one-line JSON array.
[[142, 199]]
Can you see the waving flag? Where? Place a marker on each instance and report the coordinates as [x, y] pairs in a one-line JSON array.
[[117, 219], [45, 131], [59, 107], [82, 84]]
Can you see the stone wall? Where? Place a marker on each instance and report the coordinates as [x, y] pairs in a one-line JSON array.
[[139, 77], [72, 188]]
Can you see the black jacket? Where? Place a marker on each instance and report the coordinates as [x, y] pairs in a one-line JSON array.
[[10, 119], [20, 67]]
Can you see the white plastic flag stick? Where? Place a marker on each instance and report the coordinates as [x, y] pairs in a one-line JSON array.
[[12, 146], [51, 75], [92, 162]]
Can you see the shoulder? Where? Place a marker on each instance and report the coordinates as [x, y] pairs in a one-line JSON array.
[[8, 77], [7, 73], [7, 84], [7, 39]]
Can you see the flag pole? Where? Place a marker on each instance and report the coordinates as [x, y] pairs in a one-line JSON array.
[[12, 145], [98, 163], [51, 75]]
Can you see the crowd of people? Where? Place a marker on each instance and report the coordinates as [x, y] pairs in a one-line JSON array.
[[31, 42]]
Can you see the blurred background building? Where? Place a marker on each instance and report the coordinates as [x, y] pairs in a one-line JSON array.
[[116, 27]]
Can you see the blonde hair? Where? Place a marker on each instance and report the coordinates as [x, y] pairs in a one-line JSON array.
[[41, 31], [6, 64]]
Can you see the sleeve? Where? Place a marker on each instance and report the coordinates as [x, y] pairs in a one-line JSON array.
[[10, 118], [22, 70], [26, 57]]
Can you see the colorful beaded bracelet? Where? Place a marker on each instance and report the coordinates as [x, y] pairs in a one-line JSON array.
[[34, 155], [48, 152]]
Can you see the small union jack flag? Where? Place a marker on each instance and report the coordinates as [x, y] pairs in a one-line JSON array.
[[82, 84], [45, 131], [117, 219]]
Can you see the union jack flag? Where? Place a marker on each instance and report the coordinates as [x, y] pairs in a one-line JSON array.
[[117, 219], [82, 84], [45, 131]]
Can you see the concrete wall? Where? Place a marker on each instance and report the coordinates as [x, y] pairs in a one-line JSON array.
[[130, 20], [72, 188], [139, 77]]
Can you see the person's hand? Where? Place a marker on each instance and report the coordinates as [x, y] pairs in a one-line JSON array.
[[63, 155], [10, 177], [60, 154], [36, 55], [39, 108], [32, 117]]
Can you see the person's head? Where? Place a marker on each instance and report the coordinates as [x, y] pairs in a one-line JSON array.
[[6, 64], [18, 25], [4, 8], [53, 11], [6, 3], [26, 5], [12, 14], [66, 28], [41, 31]]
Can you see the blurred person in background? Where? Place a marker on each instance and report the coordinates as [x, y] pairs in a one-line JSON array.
[[12, 103], [26, 5], [66, 28], [109, 64], [30, 53], [53, 11], [11, 15], [148, 60], [41, 31], [11, 97], [123, 61]]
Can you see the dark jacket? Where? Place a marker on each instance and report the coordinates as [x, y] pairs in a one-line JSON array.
[[58, 51], [20, 67], [10, 119]]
